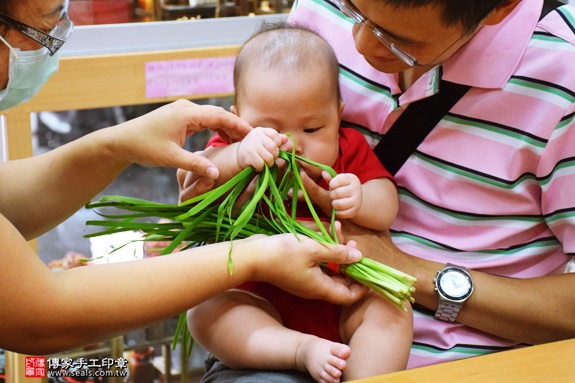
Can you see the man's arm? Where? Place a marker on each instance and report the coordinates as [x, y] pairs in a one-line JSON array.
[[531, 310]]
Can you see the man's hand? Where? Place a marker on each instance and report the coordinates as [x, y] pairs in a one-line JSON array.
[[319, 196], [192, 184], [375, 244]]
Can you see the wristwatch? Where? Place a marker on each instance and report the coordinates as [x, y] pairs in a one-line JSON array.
[[454, 286]]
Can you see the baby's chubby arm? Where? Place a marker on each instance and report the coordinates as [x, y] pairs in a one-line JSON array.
[[260, 146], [372, 205]]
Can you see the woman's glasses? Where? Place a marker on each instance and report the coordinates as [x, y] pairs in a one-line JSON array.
[[53, 40]]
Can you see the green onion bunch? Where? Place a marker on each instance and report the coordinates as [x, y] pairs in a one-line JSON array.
[[216, 217]]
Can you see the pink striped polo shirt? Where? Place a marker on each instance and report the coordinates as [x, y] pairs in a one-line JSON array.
[[492, 186]]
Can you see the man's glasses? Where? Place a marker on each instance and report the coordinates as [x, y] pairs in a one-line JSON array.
[[352, 12], [53, 40]]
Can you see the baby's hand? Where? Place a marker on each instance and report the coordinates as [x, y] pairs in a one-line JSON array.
[[345, 193], [261, 146]]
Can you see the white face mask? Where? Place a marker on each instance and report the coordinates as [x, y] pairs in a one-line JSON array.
[[28, 71]]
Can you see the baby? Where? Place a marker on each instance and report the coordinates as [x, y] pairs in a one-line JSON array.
[[286, 80]]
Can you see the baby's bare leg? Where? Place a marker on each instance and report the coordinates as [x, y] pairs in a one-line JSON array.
[[244, 331], [379, 335]]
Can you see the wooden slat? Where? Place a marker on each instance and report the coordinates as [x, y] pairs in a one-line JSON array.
[[543, 363], [110, 80], [97, 82]]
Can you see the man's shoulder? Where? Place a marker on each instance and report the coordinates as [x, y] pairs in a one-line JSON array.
[[559, 23], [549, 58]]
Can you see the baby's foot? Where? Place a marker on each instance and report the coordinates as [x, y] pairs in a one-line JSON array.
[[323, 359]]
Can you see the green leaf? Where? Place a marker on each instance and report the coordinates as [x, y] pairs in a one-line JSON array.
[[215, 217]]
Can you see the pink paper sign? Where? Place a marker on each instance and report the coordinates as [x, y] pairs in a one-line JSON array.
[[188, 77]]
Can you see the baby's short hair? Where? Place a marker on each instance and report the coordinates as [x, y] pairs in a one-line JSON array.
[[286, 48]]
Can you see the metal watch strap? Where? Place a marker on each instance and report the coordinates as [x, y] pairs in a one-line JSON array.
[[447, 311], [448, 307]]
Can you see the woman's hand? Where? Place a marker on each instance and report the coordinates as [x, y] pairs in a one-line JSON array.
[[318, 195], [292, 264], [157, 138]]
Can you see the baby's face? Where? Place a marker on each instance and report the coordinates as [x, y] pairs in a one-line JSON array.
[[304, 106]]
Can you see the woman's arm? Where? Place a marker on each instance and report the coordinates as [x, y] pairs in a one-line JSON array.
[[38, 193], [42, 311]]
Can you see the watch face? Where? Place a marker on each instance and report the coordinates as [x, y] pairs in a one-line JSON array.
[[454, 284]]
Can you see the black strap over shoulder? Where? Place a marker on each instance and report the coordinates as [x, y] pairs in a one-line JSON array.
[[548, 6], [422, 116], [414, 125]]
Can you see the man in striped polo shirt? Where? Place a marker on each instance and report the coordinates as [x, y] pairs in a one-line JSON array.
[[491, 188]]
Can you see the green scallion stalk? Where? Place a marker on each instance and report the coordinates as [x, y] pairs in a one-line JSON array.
[[215, 217]]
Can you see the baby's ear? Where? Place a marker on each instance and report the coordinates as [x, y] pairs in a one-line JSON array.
[[501, 12], [341, 106]]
